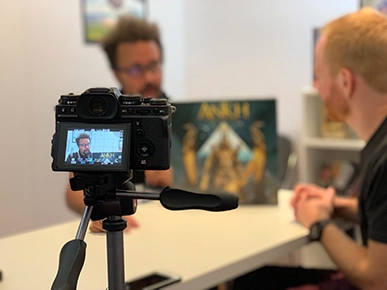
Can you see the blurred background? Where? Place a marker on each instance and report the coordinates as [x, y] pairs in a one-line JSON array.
[[218, 49]]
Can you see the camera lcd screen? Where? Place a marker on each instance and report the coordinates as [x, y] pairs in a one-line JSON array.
[[93, 147]]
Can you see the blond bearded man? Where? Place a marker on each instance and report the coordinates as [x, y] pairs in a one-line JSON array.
[[351, 78]]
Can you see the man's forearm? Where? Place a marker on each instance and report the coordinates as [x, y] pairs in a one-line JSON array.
[[346, 207], [74, 200], [351, 258]]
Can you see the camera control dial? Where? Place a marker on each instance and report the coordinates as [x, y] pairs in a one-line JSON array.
[[130, 99]]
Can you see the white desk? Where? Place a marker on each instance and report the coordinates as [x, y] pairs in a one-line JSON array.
[[204, 248]]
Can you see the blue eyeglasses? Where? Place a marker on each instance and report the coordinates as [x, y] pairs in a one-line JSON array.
[[138, 70]]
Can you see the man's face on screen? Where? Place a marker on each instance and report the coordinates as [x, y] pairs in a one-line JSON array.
[[84, 146]]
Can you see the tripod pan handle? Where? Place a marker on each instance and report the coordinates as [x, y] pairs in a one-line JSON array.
[[72, 257], [177, 199]]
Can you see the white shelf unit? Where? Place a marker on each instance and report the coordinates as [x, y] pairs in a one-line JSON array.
[[316, 149]]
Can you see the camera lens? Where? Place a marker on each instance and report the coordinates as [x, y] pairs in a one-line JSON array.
[[97, 106]]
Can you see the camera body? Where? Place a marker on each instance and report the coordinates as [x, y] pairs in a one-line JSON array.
[[104, 130]]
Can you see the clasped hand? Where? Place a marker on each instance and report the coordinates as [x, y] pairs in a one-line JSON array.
[[312, 203]]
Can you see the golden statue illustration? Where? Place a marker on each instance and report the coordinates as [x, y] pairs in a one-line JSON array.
[[225, 167], [256, 166], [222, 168], [189, 153]]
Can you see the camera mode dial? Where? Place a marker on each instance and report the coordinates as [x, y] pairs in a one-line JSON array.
[[130, 99], [69, 99]]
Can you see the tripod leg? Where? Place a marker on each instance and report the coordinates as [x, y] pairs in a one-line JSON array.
[[72, 257], [84, 223], [114, 225]]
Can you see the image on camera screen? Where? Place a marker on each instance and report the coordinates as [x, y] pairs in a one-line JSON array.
[[94, 147]]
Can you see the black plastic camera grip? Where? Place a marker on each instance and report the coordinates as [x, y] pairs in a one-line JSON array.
[[177, 199]]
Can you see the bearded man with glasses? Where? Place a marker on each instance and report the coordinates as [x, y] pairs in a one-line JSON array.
[[135, 54], [134, 50], [83, 154]]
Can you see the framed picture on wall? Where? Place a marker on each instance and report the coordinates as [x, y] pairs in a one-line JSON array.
[[367, 3], [100, 15], [316, 35], [380, 5]]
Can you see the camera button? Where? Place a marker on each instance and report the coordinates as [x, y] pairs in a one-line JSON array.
[[159, 102], [72, 110], [140, 133], [144, 149]]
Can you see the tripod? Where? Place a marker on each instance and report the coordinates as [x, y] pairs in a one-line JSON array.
[[109, 196]]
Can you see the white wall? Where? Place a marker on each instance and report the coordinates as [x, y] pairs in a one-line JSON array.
[[250, 48], [213, 49], [43, 55], [170, 16]]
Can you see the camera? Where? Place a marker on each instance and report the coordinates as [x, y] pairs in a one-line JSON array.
[[104, 130]]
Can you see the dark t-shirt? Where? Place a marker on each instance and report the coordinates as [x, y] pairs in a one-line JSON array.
[[373, 190], [78, 157]]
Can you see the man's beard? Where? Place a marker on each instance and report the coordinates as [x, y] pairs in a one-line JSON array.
[[336, 107], [151, 87]]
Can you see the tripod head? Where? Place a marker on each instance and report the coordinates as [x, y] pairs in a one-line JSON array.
[[100, 192], [109, 196]]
